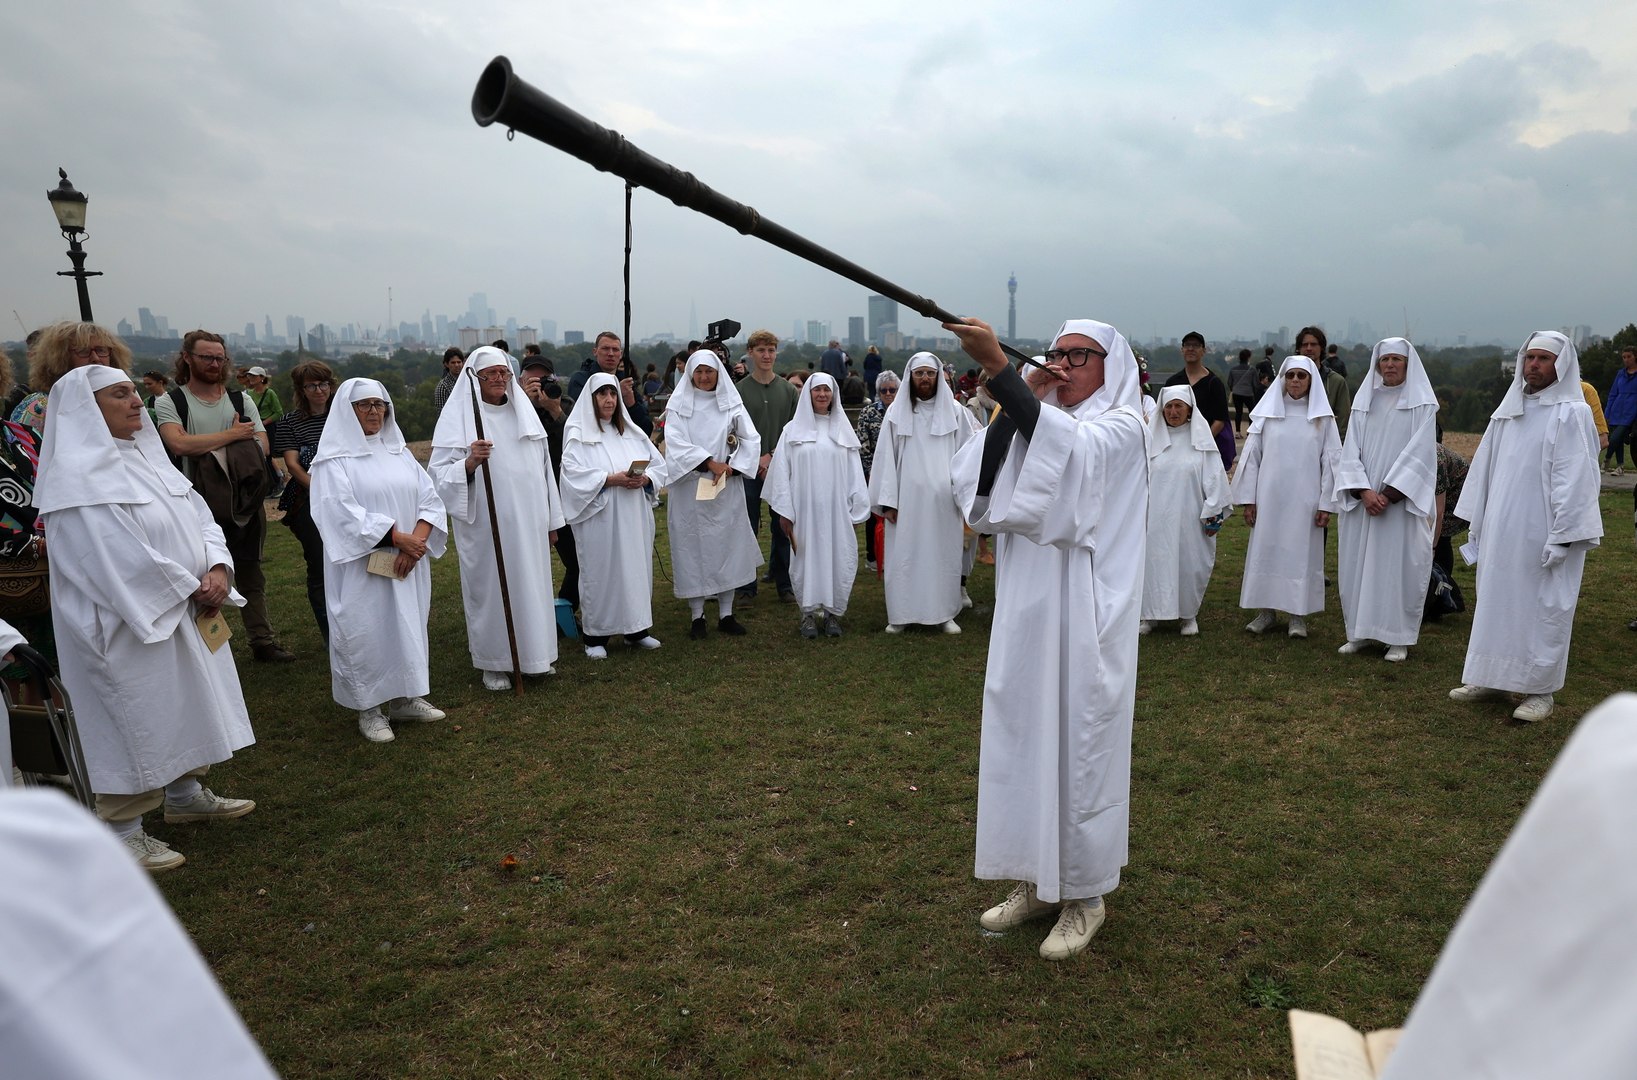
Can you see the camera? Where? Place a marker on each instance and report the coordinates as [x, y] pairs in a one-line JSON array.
[[717, 335]]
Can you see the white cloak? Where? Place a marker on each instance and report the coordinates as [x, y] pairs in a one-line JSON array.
[[378, 641], [1533, 482], [1385, 561], [613, 528], [1286, 471], [1186, 487], [530, 509], [923, 553], [151, 701], [819, 485]]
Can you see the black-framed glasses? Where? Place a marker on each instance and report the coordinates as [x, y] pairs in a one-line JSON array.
[[101, 352], [315, 387], [1074, 357], [370, 405], [1297, 375], [206, 358], [887, 390]]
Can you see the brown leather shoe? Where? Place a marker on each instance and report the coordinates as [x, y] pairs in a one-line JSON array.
[[272, 653]]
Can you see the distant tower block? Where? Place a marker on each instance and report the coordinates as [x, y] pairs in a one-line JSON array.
[[1011, 309]]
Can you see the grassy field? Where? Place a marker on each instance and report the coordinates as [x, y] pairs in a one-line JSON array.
[[742, 857]]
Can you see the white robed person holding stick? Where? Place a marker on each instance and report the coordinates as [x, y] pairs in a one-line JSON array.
[[1060, 479], [711, 444], [528, 513]]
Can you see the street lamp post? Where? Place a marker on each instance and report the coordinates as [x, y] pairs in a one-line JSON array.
[[69, 206]]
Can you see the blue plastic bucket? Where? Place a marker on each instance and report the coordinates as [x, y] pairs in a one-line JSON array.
[[565, 619]]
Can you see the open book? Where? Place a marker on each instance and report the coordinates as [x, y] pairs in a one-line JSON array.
[[1329, 1049]]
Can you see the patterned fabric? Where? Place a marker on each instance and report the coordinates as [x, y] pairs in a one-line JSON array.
[[19, 455], [299, 432], [1452, 469], [869, 430]]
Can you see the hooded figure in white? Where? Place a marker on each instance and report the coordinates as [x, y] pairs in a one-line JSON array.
[[134, 550], [1188, 499], [612, 511], [1385, 483], [368, 494], [1531, 496], [1285, 480], [528, 507], [709, 434], [922, 564], [816, 484], [1062, 485]]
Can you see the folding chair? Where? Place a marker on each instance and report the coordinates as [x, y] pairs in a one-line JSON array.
[[45, 743]]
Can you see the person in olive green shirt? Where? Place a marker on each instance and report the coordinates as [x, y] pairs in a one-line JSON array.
[[771, 403]]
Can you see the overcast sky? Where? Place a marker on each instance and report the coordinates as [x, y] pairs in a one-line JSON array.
[[1229, 166]]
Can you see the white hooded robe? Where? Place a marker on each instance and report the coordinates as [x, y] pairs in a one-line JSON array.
[[1187, 487]]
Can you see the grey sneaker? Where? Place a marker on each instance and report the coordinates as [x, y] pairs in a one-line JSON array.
[[153, 855], [206, 806], [372, 725], [1469, 692], [1017, 909], [496, 680], [1075, 928], [1535, 708], [1262, 623], [832, 625], [809, 625], [1298, 626], [418, 708]]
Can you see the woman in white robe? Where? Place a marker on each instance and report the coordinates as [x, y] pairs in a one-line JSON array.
[[1284, 480], [815, 484], [372, 498], [528, 506], [136, 559], [710, 445], [609, 499], [1188, 499], [1386, 498]]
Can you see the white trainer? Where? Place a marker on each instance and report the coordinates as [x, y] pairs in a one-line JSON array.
[[1469, 692], [496, 680], [951, 627], [1189, 628], [1075, 928], [596, 652], [415, 708], [1262, 623], [647, 641], [966, 598], [1298, 626], [1144, 628], [1356, 645], [1535, 708], [1397, 654], [894, 628], [152, 855], [372, 725], [1017, 909], [206, 805]]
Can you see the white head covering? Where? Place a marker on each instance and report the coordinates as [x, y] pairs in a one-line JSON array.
[[1198, 428], [457, 424], [1122, 380], [1567, 387], [1417, 388], [807, 426], [687, 397], [81, 463], [1273, 402], [582, 426], [936, 417], [344, 434]]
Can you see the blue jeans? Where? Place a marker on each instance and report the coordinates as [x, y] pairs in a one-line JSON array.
[[779, 561], [1619, 435]]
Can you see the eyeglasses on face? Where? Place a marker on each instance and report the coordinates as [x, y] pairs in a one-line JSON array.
[[495, 374], [315, 387], [101, 352], [1296, 375], [370, 405], [1074, 357], [209, 358]]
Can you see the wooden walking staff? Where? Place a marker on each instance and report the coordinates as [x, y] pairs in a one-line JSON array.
[[494, 534]]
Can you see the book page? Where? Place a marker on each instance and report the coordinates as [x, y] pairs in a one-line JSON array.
[[382, 562], [707, 490], [214, 629], [1380, 1045], [1327, 1049]]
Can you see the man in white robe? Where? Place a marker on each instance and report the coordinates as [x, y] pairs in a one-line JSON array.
[[910, 486], [711, 445], [136, 559], [1061, 480], [1531, 496], [527, 505], [1385, 491]]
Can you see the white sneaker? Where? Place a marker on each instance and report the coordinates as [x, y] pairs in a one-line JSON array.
[[894, 628], [1535, 708], [596, 652], [1356, 645], [153, 855], [415, 708], [496, 680], [1298, 626], [1075, 928], [951, 627], [372, 725], [966, 598], [1017, 909], [1469, 692], [206, 805], [1144, 628], [1397, 653], [1189, 628], [1262, 623], [648, 641], [869, 564]]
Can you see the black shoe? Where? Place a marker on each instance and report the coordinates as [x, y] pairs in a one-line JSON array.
[[697, 630], [729, 625], [1632, 625], [746, 595], [787, 598], [272, 653]]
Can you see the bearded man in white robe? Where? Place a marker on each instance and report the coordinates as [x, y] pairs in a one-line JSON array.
[[1060, 478], [1385, 492], [1531, 496], [922, 565], [527, 505]]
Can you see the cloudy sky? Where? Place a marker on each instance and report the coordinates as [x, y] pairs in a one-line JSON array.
[[1467, 166]]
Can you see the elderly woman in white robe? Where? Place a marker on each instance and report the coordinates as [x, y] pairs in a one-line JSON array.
[[1285, 482], [1385, 493], [815, 484], [710, 445], [380, 518], [611, 475], [1188, 499], [527, 504], [139, 574]]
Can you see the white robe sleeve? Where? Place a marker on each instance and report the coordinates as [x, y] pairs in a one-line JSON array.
[[1246, 471], [746, 458], [883, 491], [448, 470], [430, 509], [1414, 473], [115, 567], [1215, 498], [349, 531], [858, 491], [1350, 474], [584, 481], [1573, 483], [1329, 457], [776, 487]]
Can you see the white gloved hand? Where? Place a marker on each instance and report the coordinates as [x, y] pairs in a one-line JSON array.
[[1553, 555]]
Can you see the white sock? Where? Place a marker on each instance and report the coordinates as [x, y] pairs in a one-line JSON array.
[[182, 790], [126, 829], [724, 604], [696, 607]]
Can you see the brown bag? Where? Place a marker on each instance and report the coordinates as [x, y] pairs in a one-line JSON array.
[[24, 587]]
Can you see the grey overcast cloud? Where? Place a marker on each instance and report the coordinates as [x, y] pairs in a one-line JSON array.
[[1465, 167]]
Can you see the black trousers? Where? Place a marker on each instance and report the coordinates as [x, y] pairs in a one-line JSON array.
[[300, 520]]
